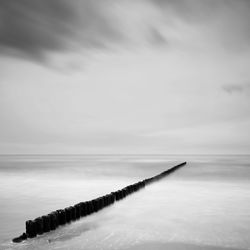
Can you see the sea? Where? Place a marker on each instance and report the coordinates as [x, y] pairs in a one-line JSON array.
[[203, 205]]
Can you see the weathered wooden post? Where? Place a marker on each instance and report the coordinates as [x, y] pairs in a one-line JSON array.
[[46, 223], [61, 216], [68, 214], [31, 229], [39, 225]]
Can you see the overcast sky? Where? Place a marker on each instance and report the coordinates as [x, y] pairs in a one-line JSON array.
[[125, 76]]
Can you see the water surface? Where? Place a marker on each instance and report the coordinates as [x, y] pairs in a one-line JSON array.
[[205, 205]]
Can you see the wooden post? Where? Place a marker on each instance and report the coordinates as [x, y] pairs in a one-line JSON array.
[[31, 229], [39, 225]]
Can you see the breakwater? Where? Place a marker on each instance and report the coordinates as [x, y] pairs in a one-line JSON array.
[[60, 217]]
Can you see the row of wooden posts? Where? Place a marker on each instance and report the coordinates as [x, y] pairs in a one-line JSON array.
[[61, 217]]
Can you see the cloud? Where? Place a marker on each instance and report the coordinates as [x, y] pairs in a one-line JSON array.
[[35, 28], [31, 28], [237, 88], [156, 37], [191, 10], [226, 21]]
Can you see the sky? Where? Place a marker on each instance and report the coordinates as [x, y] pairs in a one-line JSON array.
[[124, 77]]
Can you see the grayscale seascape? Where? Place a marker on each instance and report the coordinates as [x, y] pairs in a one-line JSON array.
[[205, 205], [124, 125]]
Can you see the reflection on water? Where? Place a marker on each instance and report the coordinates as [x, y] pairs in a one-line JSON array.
[[205, 205]]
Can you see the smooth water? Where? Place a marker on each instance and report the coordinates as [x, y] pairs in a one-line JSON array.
[[205, 205]]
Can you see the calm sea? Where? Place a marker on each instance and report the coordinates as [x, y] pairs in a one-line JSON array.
[[205, 205]]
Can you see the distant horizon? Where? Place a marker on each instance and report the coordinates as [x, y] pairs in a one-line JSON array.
[[143, 154]]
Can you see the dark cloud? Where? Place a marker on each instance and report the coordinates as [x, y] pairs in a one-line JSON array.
[[237, 88], [33, 27], [227, 20], [190, 10], [156, 37], [201, 10]]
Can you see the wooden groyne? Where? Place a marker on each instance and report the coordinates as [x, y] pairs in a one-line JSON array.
[[61, 217]]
